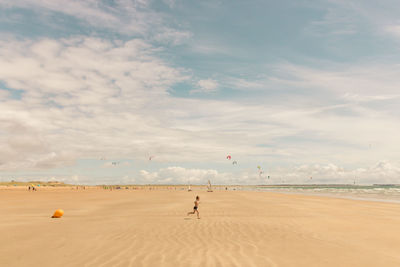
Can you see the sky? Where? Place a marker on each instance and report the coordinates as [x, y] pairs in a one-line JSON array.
[[90, 90]]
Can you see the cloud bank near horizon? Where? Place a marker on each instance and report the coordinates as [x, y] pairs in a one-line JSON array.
[[91, 80]]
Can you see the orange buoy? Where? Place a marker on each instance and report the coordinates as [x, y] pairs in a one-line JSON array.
[[58, 213]]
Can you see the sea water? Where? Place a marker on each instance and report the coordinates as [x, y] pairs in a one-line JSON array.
[[385, 193]]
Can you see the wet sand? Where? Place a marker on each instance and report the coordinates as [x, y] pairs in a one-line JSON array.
[[150, 228]]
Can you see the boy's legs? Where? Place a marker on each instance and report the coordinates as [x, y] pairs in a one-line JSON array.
[[192, 212]]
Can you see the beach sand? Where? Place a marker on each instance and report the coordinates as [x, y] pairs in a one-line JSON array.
[[150, 228]]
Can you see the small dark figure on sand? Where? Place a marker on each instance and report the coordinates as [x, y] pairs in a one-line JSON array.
[[196, 207]]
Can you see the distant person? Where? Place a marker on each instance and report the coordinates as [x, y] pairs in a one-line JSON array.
[[29, 188], [196, 207]]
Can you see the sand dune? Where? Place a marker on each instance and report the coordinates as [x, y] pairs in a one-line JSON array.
[[149, 228]]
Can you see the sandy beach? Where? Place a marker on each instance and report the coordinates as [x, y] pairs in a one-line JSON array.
[[150, 228]]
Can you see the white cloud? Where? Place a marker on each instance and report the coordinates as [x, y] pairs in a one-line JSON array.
[[4, 94], [380, 172], [363, 79], [87, 97], [180, 175], [335, 21], [206, 86], [172, 36], [356, 16], [383, 172], [92, 98], [393, 29], [260, 83], [170, 3], [77, 91], [204, 47], [360, 98], [89, 11], [132, 18]]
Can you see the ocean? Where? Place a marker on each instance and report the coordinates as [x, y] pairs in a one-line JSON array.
[[384, 193]]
